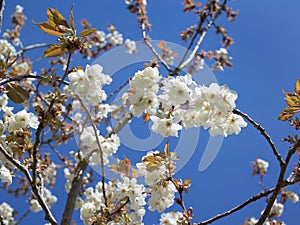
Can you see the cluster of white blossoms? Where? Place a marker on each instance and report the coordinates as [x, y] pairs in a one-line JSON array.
[[5, 175], [6, 213], [6, 49], [116, 191], [89, 142], [144, 2], [253, 221], [88, 84], [170, 218], [176, 102], [11, 121], [161, 189], [222, 55], [114, 37], [48, 198], [260, 166], [130, 46]]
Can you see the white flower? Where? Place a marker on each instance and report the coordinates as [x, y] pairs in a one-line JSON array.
[[6, 49], [130, 46], [217, 66], [222, 52], [101, 37], [87, 210], [88, 84], [293, 197], [262, 165], [6, 212], [114, 38], [5, 175], [35, 206], [165, 127], [277, 209], [22, 119], [170, 218]]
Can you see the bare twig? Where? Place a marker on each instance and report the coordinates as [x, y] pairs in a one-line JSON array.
[[23, 217], [263, 132], [147, 42], [99, 147], [237, 208], [30, 47], [279, 185], [2, 4], [24, 76], [48, 215]]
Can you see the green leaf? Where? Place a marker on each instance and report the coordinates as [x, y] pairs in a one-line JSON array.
[[16, 93], [87, 32], [54, 50], [55, 19]]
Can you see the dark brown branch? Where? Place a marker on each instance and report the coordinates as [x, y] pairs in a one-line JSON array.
[[279, 185], [263, 132], [237, 208]]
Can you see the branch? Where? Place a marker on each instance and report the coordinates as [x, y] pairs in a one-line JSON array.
[[145, 37], [279, 185], [237, 208], [24, 76], [2, 4], [29, 47], [48, 215], [72, 195], [263, 132], [99, 148]]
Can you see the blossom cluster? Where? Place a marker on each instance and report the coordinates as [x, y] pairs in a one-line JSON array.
[[6, 213], [117, 192], [7, 50], [88, 84], [170, 218], [48, 197], [156, 176], [177, 102]]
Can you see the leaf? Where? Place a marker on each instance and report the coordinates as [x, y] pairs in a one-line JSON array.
[[187, 182], [54, 50], [55, 19], [166, 149], [72, 19], [16, 93], [48, 29], [297, 86], [123, 166], [288, 113], [146, 117], [87, 32], [173, 156], [292, 99]]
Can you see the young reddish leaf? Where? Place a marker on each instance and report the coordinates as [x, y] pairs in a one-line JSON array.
[[16, 93], [87, 32], [54, 50], [297, 86], [48, 29], [55, 19]]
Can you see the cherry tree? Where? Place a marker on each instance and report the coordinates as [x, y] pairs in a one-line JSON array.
[[44, 111]]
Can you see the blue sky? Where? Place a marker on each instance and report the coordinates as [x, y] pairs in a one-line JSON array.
[[265, 62]]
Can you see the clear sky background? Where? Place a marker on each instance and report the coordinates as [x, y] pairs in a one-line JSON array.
[[265, 62]]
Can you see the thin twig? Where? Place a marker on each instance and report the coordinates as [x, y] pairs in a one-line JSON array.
[[66, 71], [99, 148], [2, 4], [147, 42], [24, 76], [263, 132], [30, 47], [23, 217], [237, 208], [48, 215], [279, 185]]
